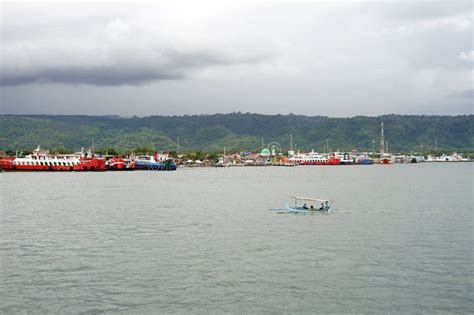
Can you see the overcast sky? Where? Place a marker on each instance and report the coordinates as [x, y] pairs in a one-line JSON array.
[[314, 58]]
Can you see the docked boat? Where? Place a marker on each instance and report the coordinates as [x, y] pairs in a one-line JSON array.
[[314, 158], [42, 160], [386, 158], [363, 159], [455, 157], [344, 158], [120, 164], [306, 205], [155, 162]]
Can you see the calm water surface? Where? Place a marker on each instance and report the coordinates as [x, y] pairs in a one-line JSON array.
[[203, 240]]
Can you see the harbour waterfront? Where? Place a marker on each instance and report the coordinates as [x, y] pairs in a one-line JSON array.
[[203, 240]]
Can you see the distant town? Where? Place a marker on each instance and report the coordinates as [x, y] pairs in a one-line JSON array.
[[271, 155]]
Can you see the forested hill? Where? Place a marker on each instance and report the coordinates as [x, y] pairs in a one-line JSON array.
[[236, 131]]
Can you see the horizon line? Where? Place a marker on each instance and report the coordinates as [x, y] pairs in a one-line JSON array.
[[230, 113]]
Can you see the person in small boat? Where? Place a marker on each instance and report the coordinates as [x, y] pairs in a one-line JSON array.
[[305, 206], [312, 207], [322, 206]]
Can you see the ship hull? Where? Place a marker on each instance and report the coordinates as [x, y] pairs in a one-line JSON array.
[[154, 163], [166, 166], [364, 162], [330, 161]]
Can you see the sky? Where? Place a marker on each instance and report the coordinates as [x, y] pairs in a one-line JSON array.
[[338, 59]]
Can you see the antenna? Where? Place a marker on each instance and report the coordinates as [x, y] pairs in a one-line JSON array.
[[382, 140]]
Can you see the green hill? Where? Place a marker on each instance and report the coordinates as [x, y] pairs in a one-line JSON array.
[[236, 131]]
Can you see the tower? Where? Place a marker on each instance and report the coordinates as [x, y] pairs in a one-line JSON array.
[[382, 140]]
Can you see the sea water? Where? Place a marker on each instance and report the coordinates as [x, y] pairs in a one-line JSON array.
[[200, 240]]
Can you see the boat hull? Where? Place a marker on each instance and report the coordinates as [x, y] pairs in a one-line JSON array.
[[331, 161], [365, 162], [155, 166], [304, 210]]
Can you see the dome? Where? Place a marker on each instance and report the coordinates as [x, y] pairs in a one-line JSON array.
[[265, 152]]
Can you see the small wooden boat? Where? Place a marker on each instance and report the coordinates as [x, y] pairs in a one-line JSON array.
[[306, 205]]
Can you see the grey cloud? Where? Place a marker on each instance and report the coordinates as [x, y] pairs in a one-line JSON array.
[[421, 10], [108, 51], [96, 76], [130, 70], [312, 58], [465, 94]]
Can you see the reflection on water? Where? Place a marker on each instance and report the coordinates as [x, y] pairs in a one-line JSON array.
[[203, 240]]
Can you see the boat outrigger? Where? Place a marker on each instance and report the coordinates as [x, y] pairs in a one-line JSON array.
[[306, 205]]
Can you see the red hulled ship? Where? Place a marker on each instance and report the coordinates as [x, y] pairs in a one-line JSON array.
[[313, 158], [41, 160]]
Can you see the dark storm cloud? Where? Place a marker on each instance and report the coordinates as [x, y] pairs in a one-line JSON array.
[[97, 76], [132, 49], [131, 71]]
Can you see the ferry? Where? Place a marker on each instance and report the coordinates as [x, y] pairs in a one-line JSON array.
[[455, 157], [158, 162], [41, 160], [314, 158]]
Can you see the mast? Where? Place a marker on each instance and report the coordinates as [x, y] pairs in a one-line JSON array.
[[291, 142], [382, 140], [223, 159]]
